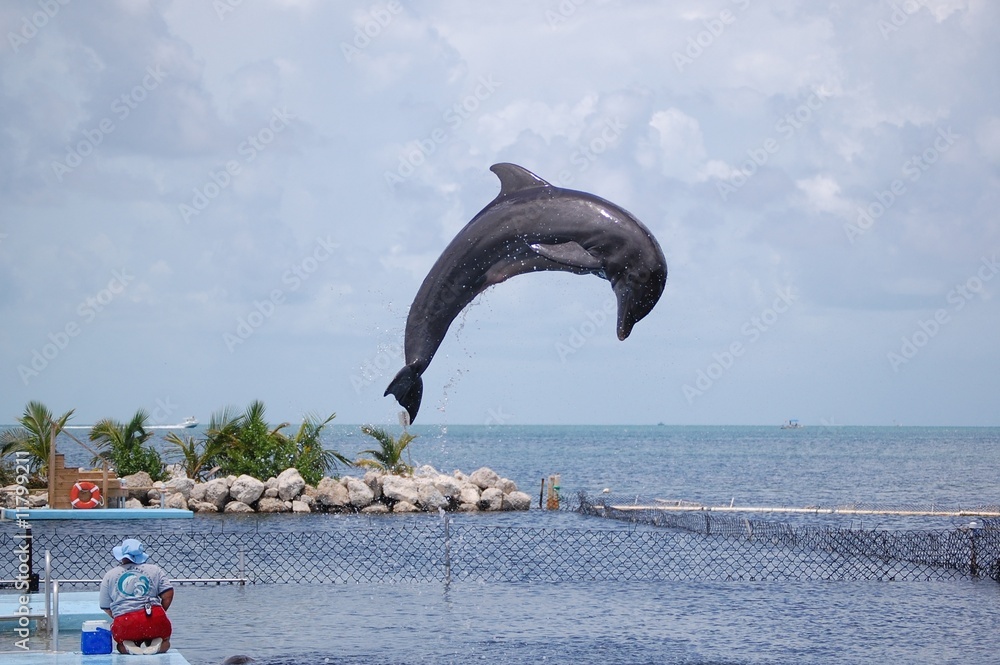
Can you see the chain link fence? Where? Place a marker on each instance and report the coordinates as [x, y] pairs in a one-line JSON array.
[[655, 545]]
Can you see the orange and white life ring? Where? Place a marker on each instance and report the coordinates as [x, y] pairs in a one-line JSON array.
[[84, 486]]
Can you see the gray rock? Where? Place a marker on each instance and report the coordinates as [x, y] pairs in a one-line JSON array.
[[217, 493], [358, 492], [331, 494], [376, 509], [136, 485], [405, 507], [506, 485], [202, 506], [270, 505], [516, 501], [484, 478], [469, 494], [238, 507], [468, 508], [271, 492], [133, 503], [429, 498], [271, 482], [307, 499], [448, 486], [491, 499], [290, 484], [246, 489], [399, 488], [198, 492], [301, 507], [38, 500], [181, 485], [176, 500], [426, 471], [175, 471], [374, 481]]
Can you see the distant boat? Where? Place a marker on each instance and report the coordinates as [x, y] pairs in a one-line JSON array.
[[792, 424], [189, 422]]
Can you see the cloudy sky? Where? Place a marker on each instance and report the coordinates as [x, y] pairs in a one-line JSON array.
[[205, 203]]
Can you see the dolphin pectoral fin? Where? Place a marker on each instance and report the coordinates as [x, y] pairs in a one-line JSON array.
[[407, 387], [569, 253]]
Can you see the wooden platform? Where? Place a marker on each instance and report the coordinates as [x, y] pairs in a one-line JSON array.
[[64, 478]]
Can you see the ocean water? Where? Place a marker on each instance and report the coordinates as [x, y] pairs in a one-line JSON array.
[[630, 622]]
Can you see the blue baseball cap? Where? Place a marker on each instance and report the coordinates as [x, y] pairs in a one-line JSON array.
[[130, 549]]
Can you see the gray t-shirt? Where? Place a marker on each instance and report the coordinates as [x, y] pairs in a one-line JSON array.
[[128, 587]]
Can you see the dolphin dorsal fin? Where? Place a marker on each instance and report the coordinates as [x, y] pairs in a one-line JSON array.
[[514, 178]]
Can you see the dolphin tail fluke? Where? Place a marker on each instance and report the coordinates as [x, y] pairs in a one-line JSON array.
[[407, 387]]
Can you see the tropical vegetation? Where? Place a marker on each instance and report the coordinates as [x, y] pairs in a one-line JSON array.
[[234, 443], [246, 444], [123, 446], [38, 428], [388, 456]]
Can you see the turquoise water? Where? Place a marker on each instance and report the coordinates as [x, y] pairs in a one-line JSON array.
[[634, 622]]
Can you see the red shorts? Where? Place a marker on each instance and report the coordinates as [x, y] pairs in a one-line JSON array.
[[136, 626]]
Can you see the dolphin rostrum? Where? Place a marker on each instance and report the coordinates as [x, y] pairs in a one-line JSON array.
[[530, 226]]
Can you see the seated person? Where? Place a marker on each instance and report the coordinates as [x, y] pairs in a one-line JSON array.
[[136, 595]]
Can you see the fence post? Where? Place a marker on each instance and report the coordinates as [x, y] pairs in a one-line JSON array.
[[974, 528], [447, 549]]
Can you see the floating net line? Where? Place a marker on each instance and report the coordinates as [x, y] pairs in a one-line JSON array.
[[649, 545]]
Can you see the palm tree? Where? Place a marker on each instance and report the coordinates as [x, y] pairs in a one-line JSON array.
[[389, 455], [246, 443], [35, 435], [311, 458], [196, 454], [122, 445]]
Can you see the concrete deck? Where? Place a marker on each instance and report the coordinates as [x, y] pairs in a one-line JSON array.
[[96, 514], [171, 657], [75, 607]]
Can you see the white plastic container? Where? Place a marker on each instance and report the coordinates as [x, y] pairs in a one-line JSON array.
[[95, 637]]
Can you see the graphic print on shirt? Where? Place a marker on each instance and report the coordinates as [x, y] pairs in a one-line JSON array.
[[133, 584]]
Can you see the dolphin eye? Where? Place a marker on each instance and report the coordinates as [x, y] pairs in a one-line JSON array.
[[641, 276]]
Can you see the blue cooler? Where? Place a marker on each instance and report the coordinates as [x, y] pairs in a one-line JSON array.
[[96, 637]]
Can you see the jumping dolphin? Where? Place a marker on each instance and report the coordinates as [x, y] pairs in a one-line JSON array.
[[530, 226]]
